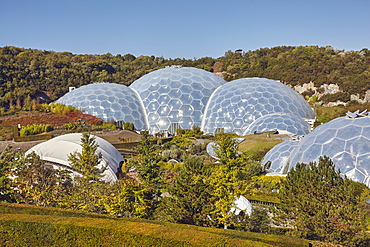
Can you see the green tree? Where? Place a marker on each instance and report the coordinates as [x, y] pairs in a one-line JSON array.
[[87, 161], [149, 169], [259, 221], [88, 186], [225, 147], [128, 198], [229, 178], [190, 198], [7, 156], [38, 183], [320, 204]]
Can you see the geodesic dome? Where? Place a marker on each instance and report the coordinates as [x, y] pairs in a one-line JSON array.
[[237, 104], [346, 140], [278, 157], [175, 97], [56, 152], [109, 101], [283, 123]]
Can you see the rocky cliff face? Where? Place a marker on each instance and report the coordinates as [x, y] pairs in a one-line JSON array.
[[322, 90], [329, 89]]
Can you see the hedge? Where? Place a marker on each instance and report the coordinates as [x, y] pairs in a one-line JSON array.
[[22, 225]]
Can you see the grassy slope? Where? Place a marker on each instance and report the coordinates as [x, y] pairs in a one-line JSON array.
[[22, 225], [260, 142]]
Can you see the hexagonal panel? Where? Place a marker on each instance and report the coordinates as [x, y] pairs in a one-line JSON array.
[[182, 86], [108, 101], [254, 98], [345, 140]]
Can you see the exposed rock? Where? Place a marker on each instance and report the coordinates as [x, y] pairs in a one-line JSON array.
[[331, 104], [324, 89], [330, 88], [358, 99], [305, 87]]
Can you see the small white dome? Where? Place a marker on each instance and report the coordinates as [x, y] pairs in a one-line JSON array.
[[57, 150]]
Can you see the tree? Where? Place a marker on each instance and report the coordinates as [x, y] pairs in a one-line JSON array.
[[86, 162], [229, 178], [320, 204], [225, 147], [127, 198], [37, 183], [128, 126], [6, 158], [190, 199], [259, 221], [149, 170], [88, 186]]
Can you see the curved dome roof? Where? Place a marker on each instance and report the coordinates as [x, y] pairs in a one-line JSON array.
[[279, 157], [236, 104], [212, 146], [108, 101], [345, 140], [284, 123], [56, 150], [210, 149], [176, 96]]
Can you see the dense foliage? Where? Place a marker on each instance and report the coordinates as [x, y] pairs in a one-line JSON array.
[[199, 191], [319, 204], [34, 129], [30, 76]]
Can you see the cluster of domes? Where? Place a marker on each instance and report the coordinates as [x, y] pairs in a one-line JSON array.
[[346, 140], [180, 97]]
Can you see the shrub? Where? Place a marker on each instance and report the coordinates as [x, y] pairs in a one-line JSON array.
[[58, 108], [128, 126], [35, 129], [109, 126]]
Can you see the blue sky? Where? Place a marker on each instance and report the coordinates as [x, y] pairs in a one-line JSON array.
[[182, 29]]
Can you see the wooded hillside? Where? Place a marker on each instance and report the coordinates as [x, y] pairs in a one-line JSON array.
[[29, 76]]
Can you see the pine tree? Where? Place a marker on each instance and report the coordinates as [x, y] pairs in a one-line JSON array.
[[128, 198], [88, 187], [320, 204], [229, 178], [190, 198], [149, 170], [86, 162]]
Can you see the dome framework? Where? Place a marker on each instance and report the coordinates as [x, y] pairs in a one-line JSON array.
[[109, 101], [167, 99], [345, 140], [237, 104], [175, 97]]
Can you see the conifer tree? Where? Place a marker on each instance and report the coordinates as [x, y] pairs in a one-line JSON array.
[[320, 204], [149, 170], [88, 187], [128, 198], [86, 162], [229, 178], [190, 198]]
